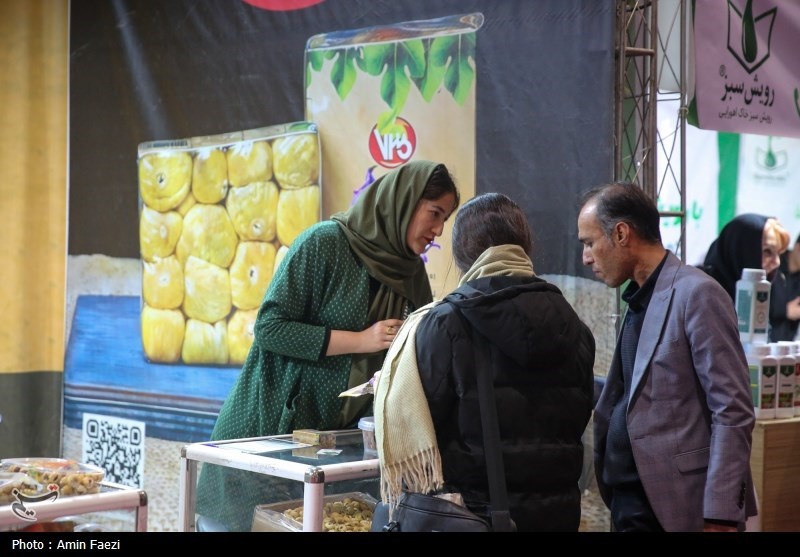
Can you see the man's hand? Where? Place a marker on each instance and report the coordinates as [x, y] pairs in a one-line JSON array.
[[793, 309]]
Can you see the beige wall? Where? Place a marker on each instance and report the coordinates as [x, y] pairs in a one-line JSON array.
[[33, 183]]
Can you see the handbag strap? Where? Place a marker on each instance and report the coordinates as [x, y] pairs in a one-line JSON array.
[[501, 517]]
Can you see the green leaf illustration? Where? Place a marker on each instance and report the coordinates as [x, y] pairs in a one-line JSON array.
[[449, 60], [313, 62], [428, 63], [439, 53], [343, 74], [373, 58], [387, 122], [394, 88], [315, 59], [469, 40], [411, 54], [393, 60], [458, 80]]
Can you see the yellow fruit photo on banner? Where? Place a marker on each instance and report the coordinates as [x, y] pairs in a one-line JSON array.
[[216, 215]]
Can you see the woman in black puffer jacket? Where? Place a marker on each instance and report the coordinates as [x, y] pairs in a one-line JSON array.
[[541, 356]]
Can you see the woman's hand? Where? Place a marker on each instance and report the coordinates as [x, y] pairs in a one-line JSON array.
[[373, 339], [381, 334]]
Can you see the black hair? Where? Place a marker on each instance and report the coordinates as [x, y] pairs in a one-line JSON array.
[[625, 202], [440, 183], [490, 219]]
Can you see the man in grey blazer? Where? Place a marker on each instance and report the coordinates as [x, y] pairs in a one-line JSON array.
[[673, 424]]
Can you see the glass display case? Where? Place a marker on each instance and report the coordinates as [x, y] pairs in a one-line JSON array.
[[279, 456], [113, 508]]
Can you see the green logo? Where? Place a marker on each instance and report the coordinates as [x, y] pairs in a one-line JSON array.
[[746, 48]]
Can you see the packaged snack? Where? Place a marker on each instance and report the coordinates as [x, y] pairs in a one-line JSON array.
[[367, 427], [10, 481], [325, 439], [344, 512], [71, 476]]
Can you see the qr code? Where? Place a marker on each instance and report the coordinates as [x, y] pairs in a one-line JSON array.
[[117, 446]]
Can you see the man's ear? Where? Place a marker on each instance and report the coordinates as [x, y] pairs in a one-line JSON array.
[[622, 233]]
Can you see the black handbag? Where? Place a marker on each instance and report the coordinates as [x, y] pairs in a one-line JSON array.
[[418, 512]]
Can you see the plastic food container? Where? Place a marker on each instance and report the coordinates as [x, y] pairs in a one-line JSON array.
[[9, 481], [71, 476], [343, 512], [367, 427]]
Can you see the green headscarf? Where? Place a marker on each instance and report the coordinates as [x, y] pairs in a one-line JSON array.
[[376, 227]]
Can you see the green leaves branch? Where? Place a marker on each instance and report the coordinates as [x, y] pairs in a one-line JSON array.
[[426, 62]]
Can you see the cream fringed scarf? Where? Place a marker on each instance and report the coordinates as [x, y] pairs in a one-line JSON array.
[[507, 260], [407, 450]]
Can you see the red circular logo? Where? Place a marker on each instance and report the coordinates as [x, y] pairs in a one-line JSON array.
[[282, 5], [394, 148]]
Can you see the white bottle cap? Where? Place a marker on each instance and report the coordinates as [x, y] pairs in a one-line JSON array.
[[780, 349], [790, 344], [760, 349], [754, 275]]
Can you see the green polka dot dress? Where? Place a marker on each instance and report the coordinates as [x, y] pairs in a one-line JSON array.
[[286, 382]]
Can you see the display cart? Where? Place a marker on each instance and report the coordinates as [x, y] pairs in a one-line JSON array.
[[111, 497], [281, 457]]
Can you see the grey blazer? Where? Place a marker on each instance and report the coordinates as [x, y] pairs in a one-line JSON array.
[[690, 413]]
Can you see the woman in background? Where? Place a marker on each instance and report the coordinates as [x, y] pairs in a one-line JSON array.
[[748, 241], [540, 355]]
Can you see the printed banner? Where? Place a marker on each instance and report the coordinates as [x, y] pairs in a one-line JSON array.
[[727, 175], [372, 118], [748, 67], [769, 179]]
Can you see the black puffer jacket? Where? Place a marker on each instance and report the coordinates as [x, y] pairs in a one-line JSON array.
[[542, 357]]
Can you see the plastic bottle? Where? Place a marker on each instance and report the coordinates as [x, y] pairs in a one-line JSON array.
[[763, 380], [784, 353], [752, 305]]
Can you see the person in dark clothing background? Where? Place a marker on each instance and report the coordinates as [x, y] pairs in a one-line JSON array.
[[784, 305], [541, 356], [748, 241]]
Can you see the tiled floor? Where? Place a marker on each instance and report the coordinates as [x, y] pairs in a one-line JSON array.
[[594, 514]]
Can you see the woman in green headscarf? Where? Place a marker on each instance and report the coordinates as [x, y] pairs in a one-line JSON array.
[[331, 311]]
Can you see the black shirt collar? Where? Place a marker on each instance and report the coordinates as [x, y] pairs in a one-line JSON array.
[[638, 297]]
